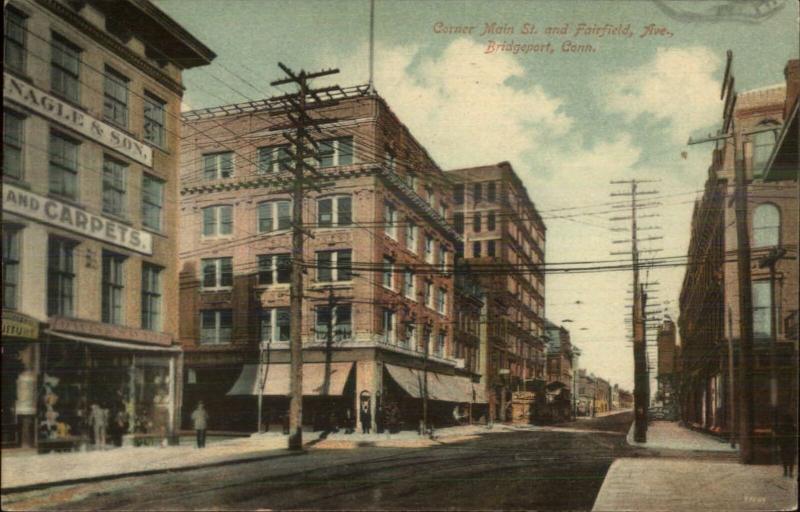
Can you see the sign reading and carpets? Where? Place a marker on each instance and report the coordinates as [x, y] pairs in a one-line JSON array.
[[54, 212], [17, 325], [53, 108]]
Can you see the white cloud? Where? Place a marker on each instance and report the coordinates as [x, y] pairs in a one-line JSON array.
[[676, 86]]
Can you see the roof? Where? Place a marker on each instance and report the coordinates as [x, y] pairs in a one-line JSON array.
[[159, 31], [784, 162]]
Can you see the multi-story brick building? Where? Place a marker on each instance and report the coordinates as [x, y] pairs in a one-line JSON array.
[[504, 240], [710, 313], [559, 371], [91, 94], [378, 288], [665, 372]]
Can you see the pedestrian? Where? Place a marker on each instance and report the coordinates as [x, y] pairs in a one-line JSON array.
[[98, 419], [366, 417], [200, 420], [348, 421], [787, 442]]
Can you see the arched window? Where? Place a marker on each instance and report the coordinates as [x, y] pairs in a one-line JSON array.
[[766, 225]]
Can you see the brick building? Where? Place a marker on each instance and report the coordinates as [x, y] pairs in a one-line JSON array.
[[665, 370], [559, 372], [710, 314], [92, 94], [379, 288], [504, 240]]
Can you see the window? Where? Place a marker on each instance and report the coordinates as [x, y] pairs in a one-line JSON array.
[[458, 194], [217, 272], [114, 175], [411, 235], [218, 165], [762, 309], [10, 267], [113, 288], [476, 222], [490, 221], [387, 273], [275, 324], [443, 210], [387, 325], [65, 64], [477, 192], [274, 216], [152, 202], [491, 191], [441, 301], [429, 294], [428, 249], [459, 251], [334, 266], [151, 297], [13, 125], [274, 159], [458, 222], [476, 249], [217, 220], [490, 248], [440, 341], [216, 326], [15, 29], [426, 340], [391, 161], [443, 258], [409, 288], [336, 152], [766, 225], [410, 338], [115, 98], [63, 166], [60, 277], [411, 181], [338, 317], [274, 268], [763, 142], [154, 120], [430, 197], [390, 220], [334, 211]]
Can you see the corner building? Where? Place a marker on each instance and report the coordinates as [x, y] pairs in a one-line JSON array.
[[91, 97], [504, 243], [378, 287]]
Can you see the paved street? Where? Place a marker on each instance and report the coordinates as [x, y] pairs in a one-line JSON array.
[[500, 471]]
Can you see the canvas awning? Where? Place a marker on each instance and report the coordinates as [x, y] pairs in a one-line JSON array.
[[445, 388], [276, 379], [112, 343]]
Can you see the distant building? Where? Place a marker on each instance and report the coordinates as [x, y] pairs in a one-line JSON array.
[[91, 125], [501, 228], [666, 374], [559, 372]]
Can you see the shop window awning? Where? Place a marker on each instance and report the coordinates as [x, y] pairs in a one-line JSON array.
[[445, 388], [112, 343], [276, 379]]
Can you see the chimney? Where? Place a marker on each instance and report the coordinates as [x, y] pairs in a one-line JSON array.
[[792, 74]]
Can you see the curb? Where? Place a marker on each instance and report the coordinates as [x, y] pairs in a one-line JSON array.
[[146, 472]]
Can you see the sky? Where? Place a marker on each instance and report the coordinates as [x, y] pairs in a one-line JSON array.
[[568, 121]]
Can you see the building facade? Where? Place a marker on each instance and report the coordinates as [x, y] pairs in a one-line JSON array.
[[91, 124], [504, 241], [665, 371], [559, 372], [710, 313], [378, 321]]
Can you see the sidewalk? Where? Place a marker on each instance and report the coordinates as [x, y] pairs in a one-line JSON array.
[[702, 473], [24, 470]]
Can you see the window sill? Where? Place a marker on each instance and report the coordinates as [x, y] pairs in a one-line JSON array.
[[274, 286], [218, 289], [217, 237], [331, 284], [274, 232]]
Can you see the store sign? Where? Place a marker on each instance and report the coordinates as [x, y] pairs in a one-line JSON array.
[[56, 213], [53, 108], [17, 325]]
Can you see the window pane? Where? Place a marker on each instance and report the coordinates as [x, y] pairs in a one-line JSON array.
[[226, 271], [284, 268], [152, 200], [283, 324], [226, 220], [346, 151], [326, 153], [284, 215], [344, 207], [324, 263], [12, 144], [209, 221], [766, 225], [154, 123], [265, 217], [344, 266], [209, 273], [325, 212], [265, 159], [265, 269]]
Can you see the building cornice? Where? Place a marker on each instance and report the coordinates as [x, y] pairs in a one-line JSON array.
[[70, 16]]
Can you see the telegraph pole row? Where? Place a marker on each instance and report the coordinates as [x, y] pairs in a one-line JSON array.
[[638, 313], [305, 148]]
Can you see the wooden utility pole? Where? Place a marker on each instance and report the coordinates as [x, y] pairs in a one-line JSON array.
[[641, 382], [304, 148]]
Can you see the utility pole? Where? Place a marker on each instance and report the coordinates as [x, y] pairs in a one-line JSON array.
[[769, 261], [641, 384], [304, 147]]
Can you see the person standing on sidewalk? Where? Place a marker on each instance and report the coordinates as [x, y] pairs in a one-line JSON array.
[[98, 418], [787, 442], [200, 420], [366, 417]]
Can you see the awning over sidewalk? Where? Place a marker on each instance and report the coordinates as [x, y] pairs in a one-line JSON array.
[[445, 388], [276, 379], [112, 343]]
